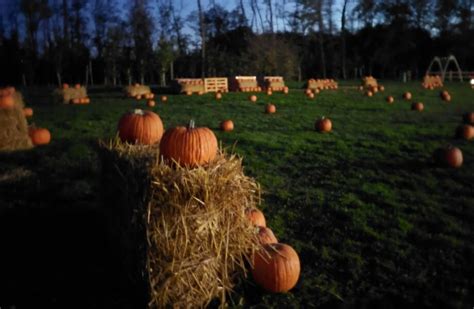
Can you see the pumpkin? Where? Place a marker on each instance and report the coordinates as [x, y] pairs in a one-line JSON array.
[[266, 236], [76, 101], [151, 95], [200, 92], [417, 106], [465, 131], [65, 86], [189, 146], [87, 100], [308, 91], [253, 98], [28, 111], [269, 91], [255, 216], [468, 118], [447, 98], [259, 88], [270, 109], [6, 102], [227, 125], [39, 136], [323, 125], [77, 86], [443, 94], [136, 84], [407, 96], [140, 127], [361, 88], [311, 95], [189, 92], [218, 96], [285, 90], [150, 103], [449, 156], [316, 91], [390, 99], [276, 267], [375, 89], [381, 88], [369, 93], [138, 97]]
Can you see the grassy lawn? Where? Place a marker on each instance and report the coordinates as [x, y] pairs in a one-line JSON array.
[[374, 221]]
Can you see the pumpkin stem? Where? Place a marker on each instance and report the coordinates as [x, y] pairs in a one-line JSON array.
[[191, 124], [138, 111]]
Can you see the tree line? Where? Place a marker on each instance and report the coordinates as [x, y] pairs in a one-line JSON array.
[[115, 42]]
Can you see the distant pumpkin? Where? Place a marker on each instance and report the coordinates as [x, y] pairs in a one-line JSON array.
[[448, 156], [390, 99], [218, 96], [468, 118], [150, 103], [323, 125], [227, 125], [253, 98], [164, 98], [255, 216], [417, 106], [270, 109], [28, 112], [465, 131], [266, 236], [39, 136], [407, 96], [77, 86]]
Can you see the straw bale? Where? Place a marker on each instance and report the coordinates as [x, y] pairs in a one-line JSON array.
[[198, 233], [14, 133], [66, 95], [369, 82], [133, 90], [198, 240]]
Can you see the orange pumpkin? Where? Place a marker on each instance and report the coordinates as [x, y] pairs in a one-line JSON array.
[[316, 91], [140, 127], [77, 86], [7, 102], [269, 91], [308, 91], [468, 118], [76, 101], [87, 100], [447, 98], [449, 156], [270, 109], [417, 106], [276, 267], [200, 92], [150, 103], [407, 96], [138, 97], [381, 88], [28, 111], [189, 146], [323, 125], [253, 98], [369, 93], [465, 131], [227, 125], [311, 95], [65, 86], [39, 136], [255, 216], [285, 90], [218, 96], [266, 236], [390, 99], [189, 92]]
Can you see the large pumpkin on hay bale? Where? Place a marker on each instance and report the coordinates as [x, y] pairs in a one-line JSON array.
[[140, 127], [276, 268], [7, 101], [189, 146]]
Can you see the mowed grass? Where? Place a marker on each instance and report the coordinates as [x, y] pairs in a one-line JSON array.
[[374, 221]]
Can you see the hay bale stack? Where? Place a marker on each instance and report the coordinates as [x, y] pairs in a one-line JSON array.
[[67, 95], [321, 84], [244, 84], [432, 81], [14, 133], [183, 231], [190, 85], [137, 90], [274, 83]]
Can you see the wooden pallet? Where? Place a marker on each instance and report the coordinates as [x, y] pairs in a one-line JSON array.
[[216, 84]]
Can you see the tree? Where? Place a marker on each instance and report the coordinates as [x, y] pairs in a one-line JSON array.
[[343, 38], [202, 31]]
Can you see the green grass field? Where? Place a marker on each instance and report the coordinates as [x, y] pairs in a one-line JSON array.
[[374, 221]]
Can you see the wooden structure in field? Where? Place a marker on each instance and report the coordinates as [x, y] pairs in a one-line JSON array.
[[274, 83], [244, 84], [443, 63], [321, 84], [216, 84]]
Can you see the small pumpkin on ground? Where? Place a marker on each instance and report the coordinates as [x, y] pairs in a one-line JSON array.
[[390, 99], [323, 125], [276, 267], [448, 156], [189, 146], [218, 95], [227, 125], [407, 96], [140, 127], [253, 98], [270, 108], [39, 136], [465, 131], [150, 103]]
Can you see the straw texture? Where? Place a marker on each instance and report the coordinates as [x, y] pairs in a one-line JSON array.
[[14, 132]]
